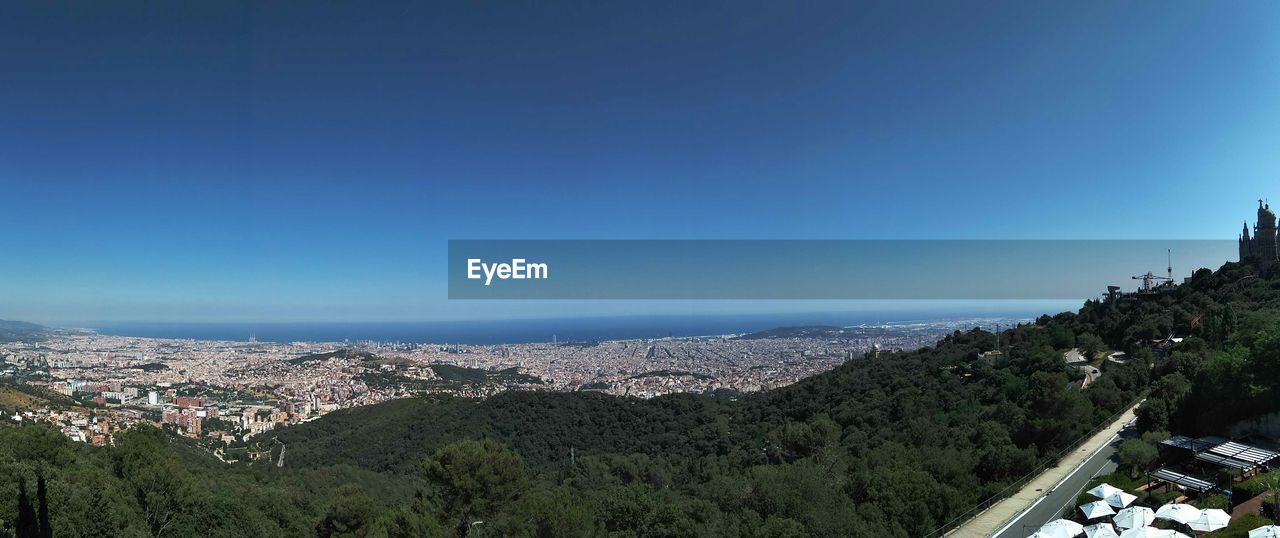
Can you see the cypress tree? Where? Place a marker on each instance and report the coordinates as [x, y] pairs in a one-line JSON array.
[[42, 500], [26, 525]]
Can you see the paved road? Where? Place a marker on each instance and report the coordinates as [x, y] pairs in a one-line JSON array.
[[1074, 358], [1072, 471], [1049, 508]]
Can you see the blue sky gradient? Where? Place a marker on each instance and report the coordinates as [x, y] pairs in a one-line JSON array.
[[309, 161]]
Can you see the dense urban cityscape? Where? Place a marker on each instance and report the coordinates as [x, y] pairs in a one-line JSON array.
[[224, 392]]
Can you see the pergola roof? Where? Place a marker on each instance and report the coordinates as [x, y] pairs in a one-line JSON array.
[[1187, 443], [1187, 481], [1219, 451], [1224, 461], [1243, 452]]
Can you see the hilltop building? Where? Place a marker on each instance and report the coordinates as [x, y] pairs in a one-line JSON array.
[[1263, 243]]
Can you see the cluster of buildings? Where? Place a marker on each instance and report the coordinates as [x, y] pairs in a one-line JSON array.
[[222, 393], [82, 425]]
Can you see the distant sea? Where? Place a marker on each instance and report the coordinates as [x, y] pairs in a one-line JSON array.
[[524, 330]]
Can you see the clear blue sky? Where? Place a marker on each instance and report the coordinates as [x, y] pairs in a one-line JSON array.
[[304, 160]]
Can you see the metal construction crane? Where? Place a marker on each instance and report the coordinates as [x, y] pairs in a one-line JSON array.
[[1150, 281], [1149, 278]]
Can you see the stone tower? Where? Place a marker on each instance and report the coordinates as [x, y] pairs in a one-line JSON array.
[[1263, 243], [1246, 244], [1264, 235]]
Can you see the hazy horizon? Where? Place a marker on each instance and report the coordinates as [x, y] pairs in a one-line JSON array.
[[506, 331], [893, 310]]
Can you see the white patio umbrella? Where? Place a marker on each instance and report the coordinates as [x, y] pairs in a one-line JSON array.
[[1097, 509], [1146, 532], [1103, 491], [1120, 499], [1101, 530], [1269, 531], [1211, 519], [1062, 528], [1152, 532], [1182, 513], [1134, 517]]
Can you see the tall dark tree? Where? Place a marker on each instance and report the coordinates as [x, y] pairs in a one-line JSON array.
[[26, 525], [42, 500]]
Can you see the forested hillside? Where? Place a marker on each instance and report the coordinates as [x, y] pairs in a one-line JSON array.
[[893, 446], [890, 446]]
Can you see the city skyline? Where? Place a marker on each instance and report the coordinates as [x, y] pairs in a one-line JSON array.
[[312, 164]]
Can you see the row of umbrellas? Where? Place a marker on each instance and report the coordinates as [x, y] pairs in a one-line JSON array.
[[1135, 522], [1104, 530], [1207, 520], [1065, 528]]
